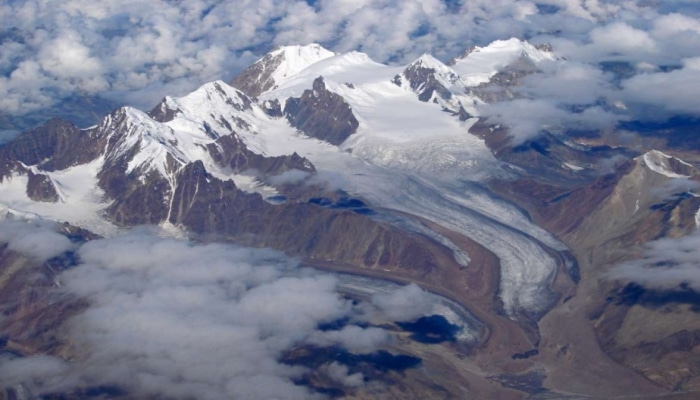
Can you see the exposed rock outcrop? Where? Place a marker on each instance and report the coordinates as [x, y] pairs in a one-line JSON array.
[[322, 114], [41, 188]]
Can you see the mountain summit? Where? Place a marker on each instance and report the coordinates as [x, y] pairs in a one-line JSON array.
[[277, 66]]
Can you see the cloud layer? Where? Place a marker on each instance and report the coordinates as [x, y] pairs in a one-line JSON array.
[[175, 319], [34, 238], [138, 51], [666, 264]]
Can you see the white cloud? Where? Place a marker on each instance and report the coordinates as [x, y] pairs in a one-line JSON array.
[[665, 264], [672, 24], [405, 304], [181, 320], [353, 338], [292, 176], [620, 38], [35, 239], [569, 83], [527, 118], [341, 373], [67, 57], [666, 93]]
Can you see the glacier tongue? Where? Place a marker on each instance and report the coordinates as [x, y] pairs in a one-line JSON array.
[[401, 145], [406, 155], [412, 156]]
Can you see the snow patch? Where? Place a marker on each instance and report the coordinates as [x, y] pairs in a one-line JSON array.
[[251, 184], [572, 167], [658, 162]]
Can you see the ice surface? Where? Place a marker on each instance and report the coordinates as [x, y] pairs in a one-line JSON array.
[[81, 200], [527, 269]]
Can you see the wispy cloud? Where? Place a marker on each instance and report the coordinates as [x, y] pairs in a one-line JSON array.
[[34, 238]]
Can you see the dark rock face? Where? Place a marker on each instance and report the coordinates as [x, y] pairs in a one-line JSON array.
[[51, 147], [257, 78], [81, 110], [140, 202], [162, 113], [206, 204], [41, 188], [464, 55], [230, 151], [423, 81], [32, 310], [272, 108], [503, 85], [322, 114]]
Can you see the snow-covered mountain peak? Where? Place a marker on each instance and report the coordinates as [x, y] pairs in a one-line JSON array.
[[428, 61], [434, 67], [213, 91], [278, 66], [435, 82], [667, 165], [296, 58], [311, 52], [517, 46], [512, 47], [340, 62], [481, 63], [356, 57], [215, 108]]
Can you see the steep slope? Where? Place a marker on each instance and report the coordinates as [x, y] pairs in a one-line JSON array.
[[650, 330], [434, 81], [277, 67], [322, 114]]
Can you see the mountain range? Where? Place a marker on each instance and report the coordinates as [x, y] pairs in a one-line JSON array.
[[390, 173]]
